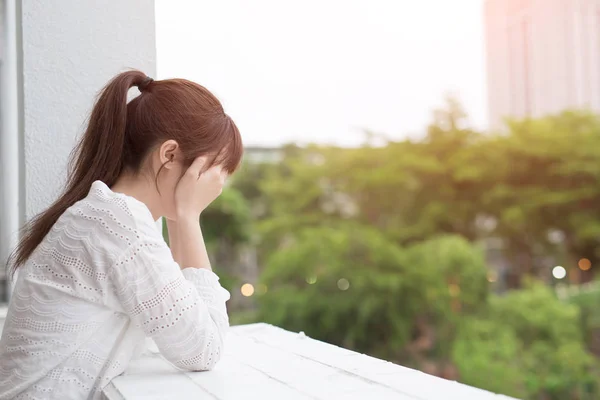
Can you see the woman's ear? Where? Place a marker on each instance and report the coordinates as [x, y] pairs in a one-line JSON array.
[[168, 153]]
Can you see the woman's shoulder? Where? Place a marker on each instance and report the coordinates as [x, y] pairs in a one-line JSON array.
[[115, 219]]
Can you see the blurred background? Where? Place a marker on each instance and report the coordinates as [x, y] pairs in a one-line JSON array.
[[421, 179]]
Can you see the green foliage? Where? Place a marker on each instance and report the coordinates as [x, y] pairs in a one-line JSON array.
[[447, 281], [536, 314], [536, 339], [396, 296], [227, 217], [486, 353], [228, 280], [450, 268], [303, 292], [543, 176], [587, 301]]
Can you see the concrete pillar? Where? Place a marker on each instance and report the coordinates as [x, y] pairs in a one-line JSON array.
[[10, 116], [64, 52]]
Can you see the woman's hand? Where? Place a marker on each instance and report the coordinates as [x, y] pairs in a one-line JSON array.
[[197, 189]]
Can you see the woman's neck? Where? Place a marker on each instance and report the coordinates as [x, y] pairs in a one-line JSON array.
[[139, 187]]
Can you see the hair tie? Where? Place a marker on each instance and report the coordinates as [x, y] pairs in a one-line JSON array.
[[144, 84]]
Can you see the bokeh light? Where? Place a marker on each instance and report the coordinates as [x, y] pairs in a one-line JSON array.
[[261, 289], [247, 289], [311, 280], [343, 284], [559, 272], [584, 264]]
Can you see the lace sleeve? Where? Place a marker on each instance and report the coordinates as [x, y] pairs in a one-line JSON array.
[[182, 311]]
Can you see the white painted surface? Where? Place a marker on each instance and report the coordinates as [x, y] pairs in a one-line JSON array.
[[71, 48], [264, 362]]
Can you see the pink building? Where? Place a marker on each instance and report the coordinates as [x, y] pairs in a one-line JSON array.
[[543, 57]]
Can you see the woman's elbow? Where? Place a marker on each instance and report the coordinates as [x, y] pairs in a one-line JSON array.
[[204, 361]]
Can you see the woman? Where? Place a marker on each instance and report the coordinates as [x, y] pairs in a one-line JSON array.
[[94, 274]]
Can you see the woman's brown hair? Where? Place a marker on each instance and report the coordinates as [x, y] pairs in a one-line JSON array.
[[120, 134]]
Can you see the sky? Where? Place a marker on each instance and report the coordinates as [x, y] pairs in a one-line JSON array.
[[326, 71]]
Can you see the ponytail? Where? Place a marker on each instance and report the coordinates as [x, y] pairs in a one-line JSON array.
[[98, 156]]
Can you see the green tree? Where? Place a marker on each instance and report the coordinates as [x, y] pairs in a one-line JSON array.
[[528, 344], [486, 353], [546, 179], [344, 286], [587, 299], [350, 286]]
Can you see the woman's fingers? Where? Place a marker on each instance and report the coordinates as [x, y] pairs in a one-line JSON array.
[[196, 167]]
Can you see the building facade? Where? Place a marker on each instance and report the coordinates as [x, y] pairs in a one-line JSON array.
[[543, 57]]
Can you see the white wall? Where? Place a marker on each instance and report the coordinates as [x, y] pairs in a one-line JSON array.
[[71, 48], [56, 56]]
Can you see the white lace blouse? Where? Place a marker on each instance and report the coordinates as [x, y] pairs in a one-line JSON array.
[[102, 280]]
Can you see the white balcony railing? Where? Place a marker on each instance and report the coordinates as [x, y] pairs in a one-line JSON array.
[[265, 362]]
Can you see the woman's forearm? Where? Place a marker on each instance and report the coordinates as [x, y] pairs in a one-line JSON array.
[[190, 247]]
